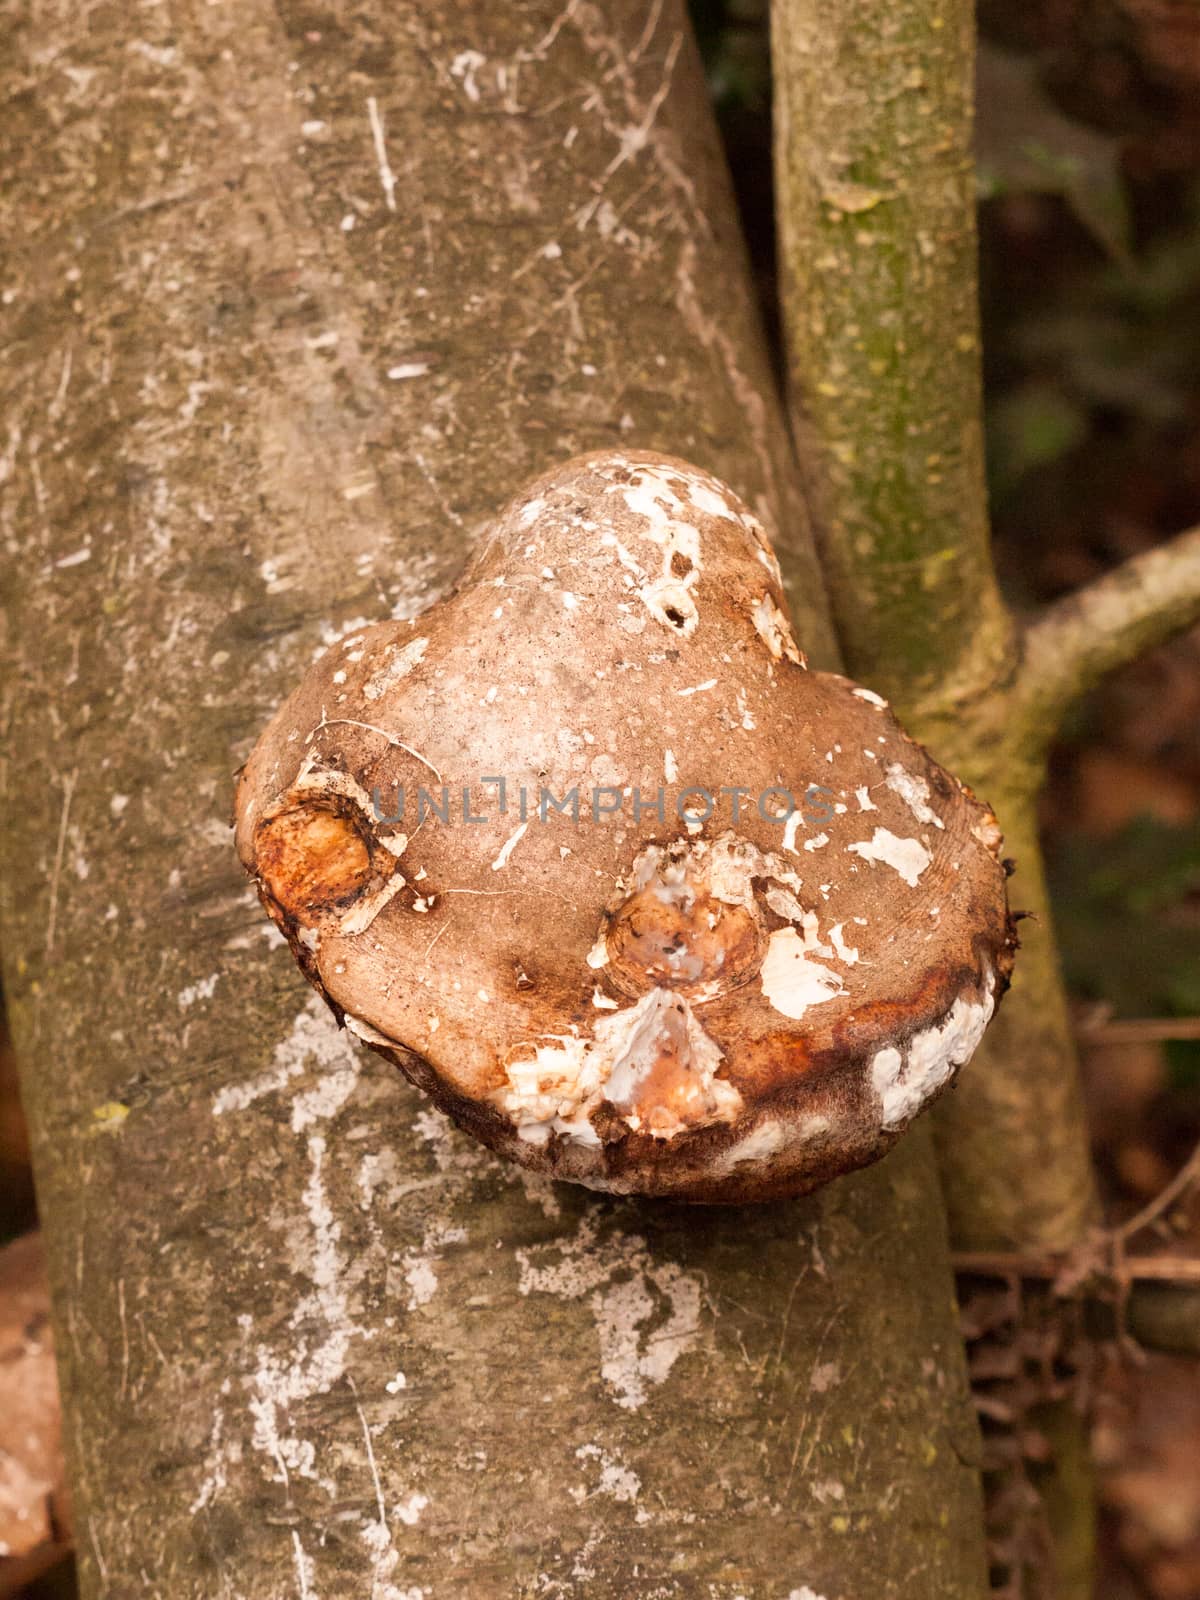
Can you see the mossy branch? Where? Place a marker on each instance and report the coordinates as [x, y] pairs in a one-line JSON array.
[[877, 255], [1108, 623]]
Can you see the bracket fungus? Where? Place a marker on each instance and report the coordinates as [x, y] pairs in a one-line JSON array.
[[588, 852]]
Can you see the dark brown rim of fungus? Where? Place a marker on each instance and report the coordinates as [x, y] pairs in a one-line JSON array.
[[664, 911]]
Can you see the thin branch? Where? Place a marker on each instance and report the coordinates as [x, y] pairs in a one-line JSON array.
[[1186, 1178], [1158, 1295], [1156, 1298], [1138, 1030], [1046, 1266], [1108, 623]]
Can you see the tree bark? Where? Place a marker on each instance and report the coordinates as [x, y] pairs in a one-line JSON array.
[[873, 116], [298, 297]]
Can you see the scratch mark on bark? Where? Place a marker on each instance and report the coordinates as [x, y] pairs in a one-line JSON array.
[[714, 338], [635, 138], [652, 20], [427, 473], [68, 789], [385, 1533], [97, 1552], [398, 744], [56, 405], [386, 176], [539, 50], [303, 1567], [124, 1337]]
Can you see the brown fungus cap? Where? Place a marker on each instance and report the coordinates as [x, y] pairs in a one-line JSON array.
[[665, 912]]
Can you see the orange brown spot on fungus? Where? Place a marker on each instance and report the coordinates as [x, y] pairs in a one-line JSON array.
[[311, 856], [687, 942]]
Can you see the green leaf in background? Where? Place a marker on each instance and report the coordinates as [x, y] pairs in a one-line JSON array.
[[1024, 144], [1030, 427], [1128, 910], [733, 36]]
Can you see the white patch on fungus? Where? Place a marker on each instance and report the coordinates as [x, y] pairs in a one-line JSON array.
[[661, 1024], [399, 663], [364, 1031], [791, 982], [914, 792], [669, 602], [870, 696], [706, 499], [548, 1084], [772, 628], [729, 863], [652, 1061], [863, 796], [908, 857], [905, 1078], [765, 1140], [790, 828], [651, 496], [784, 904], [668, 597], [360, 916], [509, 845], [321, 781]]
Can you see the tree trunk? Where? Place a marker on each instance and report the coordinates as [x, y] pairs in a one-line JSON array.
[[299, 296]]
